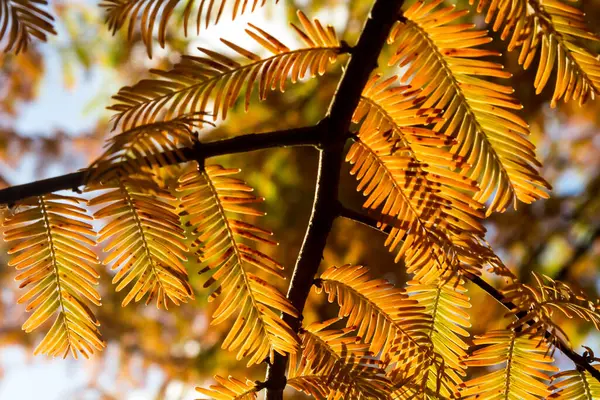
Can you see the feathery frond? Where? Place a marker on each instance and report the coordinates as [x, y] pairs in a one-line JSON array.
[[344, 381], [212, 195], [394, 327], [555, 30], [333, 365], [21, 20], [159, 12], [144, 240], [231, 389], [55, 260], [409, 173], [444, 302], [141, 147], [414, 391], [525, 373], [441, 59], [540, 301], [188, 87], [322, 348], [575, 385]]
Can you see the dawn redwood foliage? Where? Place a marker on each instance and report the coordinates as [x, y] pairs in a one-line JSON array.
[[435, 150]]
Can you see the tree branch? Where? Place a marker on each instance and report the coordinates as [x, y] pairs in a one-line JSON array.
[[326, 206], [579, 360], [305, 136]]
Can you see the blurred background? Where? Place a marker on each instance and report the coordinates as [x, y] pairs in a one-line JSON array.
[[53, 121]]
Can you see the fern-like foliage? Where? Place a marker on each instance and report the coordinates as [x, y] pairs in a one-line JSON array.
[[394, 326], [442, 59], [58, 267], [346, 380], [144, 240], [334, 365], [322, 348], [188, 87], [147, 146], [555, 31], [211, 196], [539, 302], [230, 389], [408, 172], [22, 20], [445, 302], [575, 385], [120, 13], [524, 375]]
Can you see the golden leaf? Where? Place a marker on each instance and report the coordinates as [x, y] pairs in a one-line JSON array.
[[22, 20], [147, 146], [441, 59], [392, 324], [230, 389], [575, 385], [444, 302], [144, 240], [333, 365], [188, 87], [322, 349], [539, 302], [212, 196], [526, 365], [125, 12], [555, 29], [55, 260], [408, 172]]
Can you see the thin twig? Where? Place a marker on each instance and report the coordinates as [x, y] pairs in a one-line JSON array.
[[578, 359], [305, 136]]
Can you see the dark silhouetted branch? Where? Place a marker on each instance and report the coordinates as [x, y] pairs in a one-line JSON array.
[[305, 136], [326, 206]]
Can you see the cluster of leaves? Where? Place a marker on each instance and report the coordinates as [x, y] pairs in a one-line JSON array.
[[142, 222], [433, 157]]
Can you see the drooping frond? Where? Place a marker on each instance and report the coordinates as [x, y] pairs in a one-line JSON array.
[[120, 13], [21, 20], [524, 375], [555, 30], [55, 260], [211, 196], [411, 391], [394, 327], [144, 240], [409, 173], [322, 348], [575, 385], [231, 389], [141, 147], [442, 60], [343, 381], [540, 301], [188, 87], [333, 365], [445, 302]]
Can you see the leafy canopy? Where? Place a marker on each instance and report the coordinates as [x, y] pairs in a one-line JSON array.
[[437, 145]]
